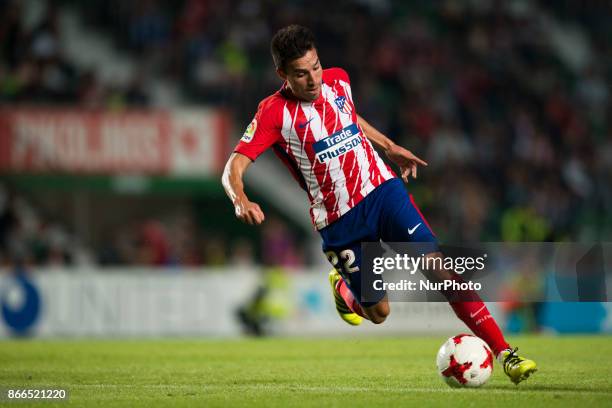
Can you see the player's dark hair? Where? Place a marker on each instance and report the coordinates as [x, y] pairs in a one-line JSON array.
[[290, 43]]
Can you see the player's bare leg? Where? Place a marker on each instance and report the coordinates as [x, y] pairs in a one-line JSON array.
[[473, 312], [378, 313]]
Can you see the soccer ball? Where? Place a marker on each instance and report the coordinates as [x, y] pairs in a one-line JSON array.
[[465, 361]]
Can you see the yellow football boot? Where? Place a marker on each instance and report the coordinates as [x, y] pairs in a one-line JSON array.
[[515, 366], [345, 313]]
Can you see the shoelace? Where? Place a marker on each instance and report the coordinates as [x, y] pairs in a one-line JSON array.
[[511, 359]]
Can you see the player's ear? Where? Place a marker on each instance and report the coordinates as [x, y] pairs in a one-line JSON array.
[[281, 74]]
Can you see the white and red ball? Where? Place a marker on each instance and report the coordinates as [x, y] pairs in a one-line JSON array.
[[465, 361]]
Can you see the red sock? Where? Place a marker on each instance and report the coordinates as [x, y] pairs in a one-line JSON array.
[[350, 300], [477, 317]]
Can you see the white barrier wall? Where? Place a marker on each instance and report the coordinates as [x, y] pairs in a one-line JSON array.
[[109, 303]]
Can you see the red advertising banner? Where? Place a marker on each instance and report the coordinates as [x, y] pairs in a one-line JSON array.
[[178, 142]]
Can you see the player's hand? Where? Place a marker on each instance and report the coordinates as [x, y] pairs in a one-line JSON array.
[[406, 161], [248, 212]]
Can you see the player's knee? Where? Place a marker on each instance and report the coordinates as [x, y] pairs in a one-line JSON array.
[[378, 314], [377, 319]]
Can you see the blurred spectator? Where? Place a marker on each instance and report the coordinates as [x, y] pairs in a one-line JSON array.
[[153, 246], [149, 26], [29, 237], [214, 251], [243, 254], [279, 248]]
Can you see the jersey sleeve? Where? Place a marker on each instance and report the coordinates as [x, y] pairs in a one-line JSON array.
[[337, 73], [262, 132]]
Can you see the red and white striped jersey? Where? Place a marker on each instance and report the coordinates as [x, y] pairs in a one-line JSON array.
[[322, 145]]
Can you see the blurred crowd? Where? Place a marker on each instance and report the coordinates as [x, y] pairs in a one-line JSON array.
[[509, 102], [34, 67], [32, 235], [176, 240]]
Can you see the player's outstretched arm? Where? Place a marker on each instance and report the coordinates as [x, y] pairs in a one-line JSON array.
[[246, 210], [404, 158]]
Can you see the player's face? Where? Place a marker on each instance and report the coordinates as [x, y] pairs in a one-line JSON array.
[[304, 76]]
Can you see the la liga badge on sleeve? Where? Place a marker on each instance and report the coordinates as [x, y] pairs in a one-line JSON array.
[[249, 132]]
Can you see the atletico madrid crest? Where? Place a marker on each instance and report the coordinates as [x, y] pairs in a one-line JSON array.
[[343, 105]]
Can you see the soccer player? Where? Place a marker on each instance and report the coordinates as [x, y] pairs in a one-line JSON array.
[[313, 127]]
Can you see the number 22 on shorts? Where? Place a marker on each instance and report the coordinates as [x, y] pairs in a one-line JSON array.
[[348, 258]]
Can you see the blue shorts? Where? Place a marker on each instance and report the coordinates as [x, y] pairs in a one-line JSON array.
[[387, 214]]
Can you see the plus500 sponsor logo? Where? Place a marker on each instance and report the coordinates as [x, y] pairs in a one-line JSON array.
[[337, 144]]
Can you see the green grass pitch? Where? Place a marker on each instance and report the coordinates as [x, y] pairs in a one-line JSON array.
[[347, 372]]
